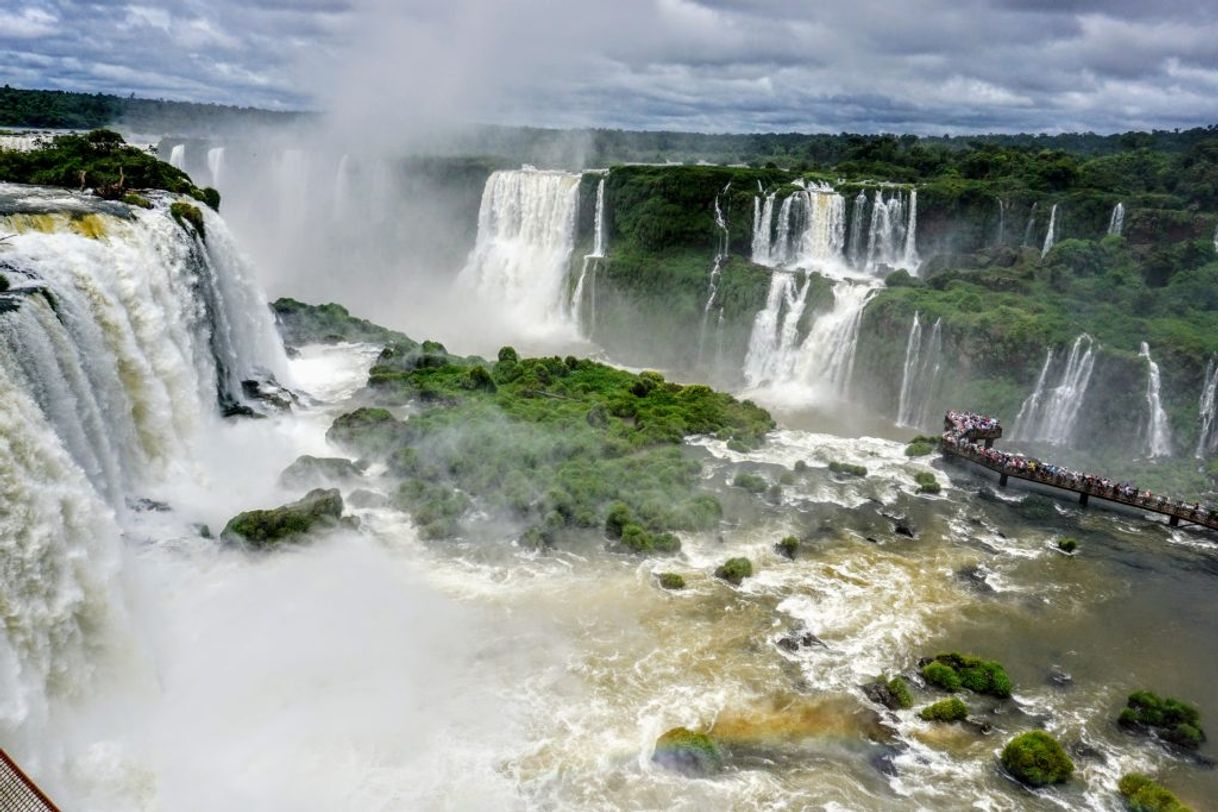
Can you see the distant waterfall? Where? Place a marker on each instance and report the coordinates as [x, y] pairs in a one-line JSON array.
[[526, 233], [1116, 223], [721, 254], [892, 234], [774, 343], [1002, 220], [1158, 430], [810, 229], [1207, 440], [585, 315], [598, 239], [1028, 229], [215, 165], [177, 156], [855, 247], [342, 187], [920, 374], [1051, 416], [1051, 234], [909, 257], [120, 333]]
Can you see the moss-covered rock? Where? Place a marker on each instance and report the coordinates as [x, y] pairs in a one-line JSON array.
[[927, 483], [892, 693], [185, 213], [954, 671], [300, 323], [133, 199], [319, 509], [787, 547], [735, 570], [314, 472], [671, 580], [847, 468], [919, 448], [1143, 794], [687, 752], [1067, 544], [945, 710], [366, 431], [1036, 759], [1169, 719], [753, 483]]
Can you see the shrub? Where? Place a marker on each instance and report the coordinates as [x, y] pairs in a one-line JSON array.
[[945, 710], [1067, 544], [671, 580], [735, 570], [617, 520], [919, 449], [927, 482], [1143, 794], [1170, 719], [978, 675], [207, 195], [1037, 759], [688, 752], [508, 355], [753, 483], [847, 468], [942, 676], [788, 547]]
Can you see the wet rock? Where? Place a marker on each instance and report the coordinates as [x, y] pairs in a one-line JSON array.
[[800, 639], [364, 499], [973, 577], [143, 505], [903, 529], [287, 523], [268, 392], [689, 753], [885, 762], [1058, 678], [315, 472], [980, 727], [787, 548], [892, 693], [872, 539], [1085, 751]]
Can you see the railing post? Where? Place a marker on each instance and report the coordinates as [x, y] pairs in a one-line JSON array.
[[1083, 498], [1174, 521], [1002, 480]]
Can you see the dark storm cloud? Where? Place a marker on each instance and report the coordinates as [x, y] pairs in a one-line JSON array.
[[721, 65]]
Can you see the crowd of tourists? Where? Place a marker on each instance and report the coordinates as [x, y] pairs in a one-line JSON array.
[[963, 429]]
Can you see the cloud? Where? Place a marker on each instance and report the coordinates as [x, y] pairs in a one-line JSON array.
[[927, 66]]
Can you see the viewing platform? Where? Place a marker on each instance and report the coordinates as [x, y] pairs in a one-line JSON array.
[[17, 792], [971, 437]]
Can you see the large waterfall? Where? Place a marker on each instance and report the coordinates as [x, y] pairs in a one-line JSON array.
[[920, 374], [1050, 416], [526, 232], [810, 229], [1207, 439], [1158, 430], [121, 335]]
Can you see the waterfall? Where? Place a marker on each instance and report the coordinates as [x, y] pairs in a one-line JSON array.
[[774, 341], [892, 236], [1027, 232], [721, 253], [177, 156], [120, 332], [826, 357], [598, 240], [1158, 430], [855, 246], [1207, 440], [1002, 220], [526, 232], [1051, 234], [811, 229], [920, 375], [215, 165], [1051, 416], [1116, 223], [763, 228], [342, 188], [909, 257]]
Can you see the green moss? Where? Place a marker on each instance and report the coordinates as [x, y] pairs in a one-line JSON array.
[[688, 752], [945, 710], [927, 483], [753, 483], [977, 675], [919, 449], [208, 196], [847, 468], [185, 213], [1037, 759], [311, 472], [1143, 794], [1067, 544], [1170, 719], [671, 580], [301, 323], [735, 570], [788, 547], [900, 692], [269, 528], [367, 431], [133, 199]]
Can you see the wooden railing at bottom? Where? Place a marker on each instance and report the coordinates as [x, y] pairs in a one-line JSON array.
[[17, 792]]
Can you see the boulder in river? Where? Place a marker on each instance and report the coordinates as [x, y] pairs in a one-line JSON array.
[[685, 751], [319, 509]]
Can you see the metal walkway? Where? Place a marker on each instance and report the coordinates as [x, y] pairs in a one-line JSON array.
[[17, 792]]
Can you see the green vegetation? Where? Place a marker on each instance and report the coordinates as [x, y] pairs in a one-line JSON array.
[[892, 693], [1037, 759], [301, 324], [318, 509], [1067, 544], [99, 160], [185, 213], [847, 468], [314, 472], [735, 570], [945, 710], [671, 580], [133, 199], [688, 752], [1143, 794], [788, 547], [366, 431], [927, 483], [753, 483], [919, 449], [954, 671], [1169, 719]]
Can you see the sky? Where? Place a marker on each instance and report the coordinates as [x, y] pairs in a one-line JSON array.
[[923, 66]]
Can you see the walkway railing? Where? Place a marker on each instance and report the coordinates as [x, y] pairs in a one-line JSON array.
[[960, 440], [17, 792]]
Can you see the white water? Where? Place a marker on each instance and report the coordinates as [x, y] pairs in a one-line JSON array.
[[343, 202], [810, 230], [1027, 231], [721, 254], [585, 316], [920, 375], [1158, 430], [598, 238], [856, 247], [1052, 416], [526, 232], [177, 156], [1207, 440], [215, 165], [1051, 234], [1116, 223]]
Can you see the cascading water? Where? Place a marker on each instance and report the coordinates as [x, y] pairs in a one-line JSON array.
[[892, 235], [177, 156], [1207, 439], [590, 268], [215, 165], [1051, 233], [598, 236], [1116, 223], [774, 342], [526, 232], [855, 249], [342, 188], [1158, 430], [810, 229], [721, 254], [920, 374], [1051, 416], [1028, 229]]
